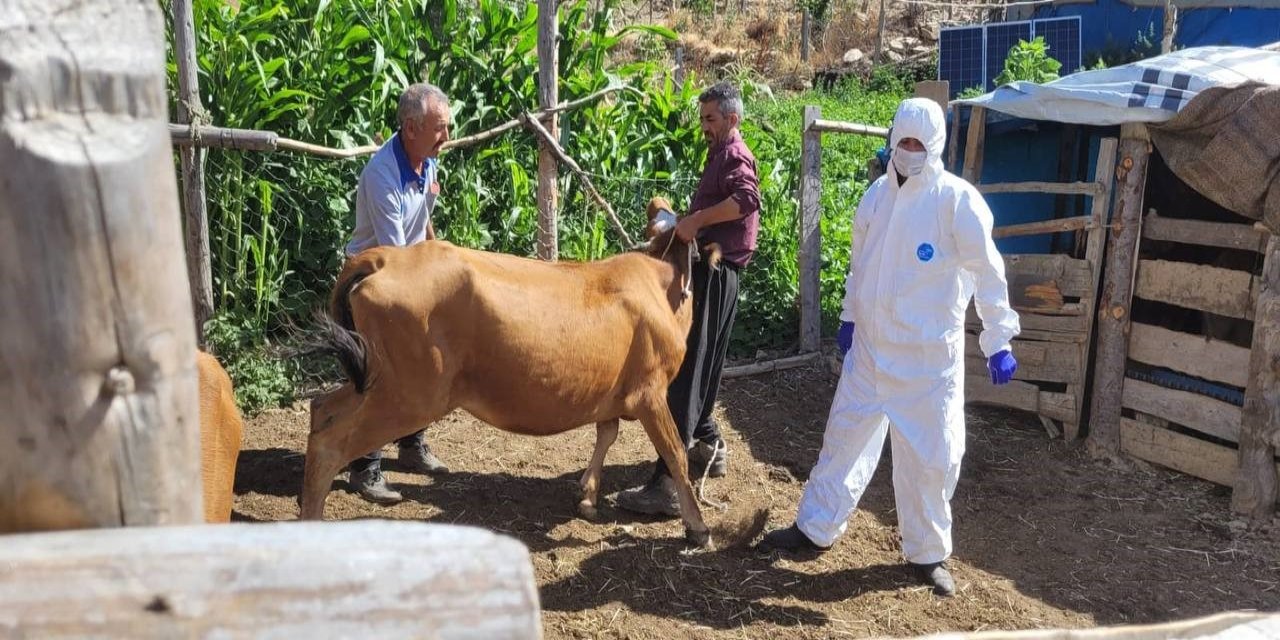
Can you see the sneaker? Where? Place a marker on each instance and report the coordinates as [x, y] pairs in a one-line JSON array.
[[715, 454], [789, 539], [657, 497], [418, 458], [372, 486], [935, 575]]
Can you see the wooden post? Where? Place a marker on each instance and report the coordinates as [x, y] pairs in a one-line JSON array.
[[1170, 26], [1117, 291], [805, 25], [196, 232], [97, 358], [358, 579], [975, 145], [880, 34], [810, 253], [548, 97], [1255, 491], [679, 72], [1095, 252]]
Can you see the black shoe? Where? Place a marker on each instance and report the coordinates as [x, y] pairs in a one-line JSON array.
[[935, 575], [418, 458], [703, 454], [372, 486], [789, 539], [657, 497]]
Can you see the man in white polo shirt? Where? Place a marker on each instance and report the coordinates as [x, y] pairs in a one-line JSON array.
[[394, 201]]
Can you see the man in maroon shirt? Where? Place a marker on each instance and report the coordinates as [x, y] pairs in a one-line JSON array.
[[725, 210]]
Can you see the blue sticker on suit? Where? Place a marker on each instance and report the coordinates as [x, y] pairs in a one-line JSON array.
[[924, 252]]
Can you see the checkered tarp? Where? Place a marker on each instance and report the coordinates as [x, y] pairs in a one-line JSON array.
[[1152, 90]]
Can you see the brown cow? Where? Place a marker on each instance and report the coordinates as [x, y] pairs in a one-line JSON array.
[[529, 347], [220, 433]]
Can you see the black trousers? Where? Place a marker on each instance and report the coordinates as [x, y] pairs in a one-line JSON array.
[[692, 395], [359, 465]]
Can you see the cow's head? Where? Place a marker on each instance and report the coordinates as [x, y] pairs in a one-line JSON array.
[[663, 243]]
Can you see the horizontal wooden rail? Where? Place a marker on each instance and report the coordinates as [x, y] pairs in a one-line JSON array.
[[1056, 188], [836, 126], [1045, 226]]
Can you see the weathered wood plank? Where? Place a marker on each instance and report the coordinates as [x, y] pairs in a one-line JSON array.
[[1042, 361], [1035, 326], [835, 126], [975, 145], [1072, 275], [1061, 188], [1192, 456], [1018, 395], [1202, 413], [365, 578], [97, 359], [1210, 234], [1117, 291], [1044, 226], [810, 249], [1190, 354], [548, 95], [1226, 292], [1256, 488], [1095, 253]]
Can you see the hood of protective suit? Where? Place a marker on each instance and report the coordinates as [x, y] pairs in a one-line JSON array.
[[922, 119]]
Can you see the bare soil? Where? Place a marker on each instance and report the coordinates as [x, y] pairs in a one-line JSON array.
[[1045, 536]]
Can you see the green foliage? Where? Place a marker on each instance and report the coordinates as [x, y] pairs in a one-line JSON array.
[[971, 92], [260, 379], [330, 71], [1029, 62]]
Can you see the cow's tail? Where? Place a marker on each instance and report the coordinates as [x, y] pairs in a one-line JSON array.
[[334, 333]]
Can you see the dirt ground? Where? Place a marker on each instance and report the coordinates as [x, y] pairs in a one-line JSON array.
[[1044, 537]]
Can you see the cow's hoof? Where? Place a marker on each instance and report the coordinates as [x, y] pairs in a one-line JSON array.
[[588, 511], [701, 539]]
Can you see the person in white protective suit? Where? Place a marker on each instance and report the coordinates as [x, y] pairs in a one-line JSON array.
[[921, 249]]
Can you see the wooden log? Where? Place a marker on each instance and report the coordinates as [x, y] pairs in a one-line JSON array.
[[805, 22], [1190, 354], [547, 139], [1058, 188], [770, 366], [810, 250], [974, 147], [1170, 26], [1200, 232], [97, 361], [548, 247], [1117, 291], [1202, 413], [196, 229], [1225, 292], [366, 578], [836, 126], [1044, 226], [1256, 489]]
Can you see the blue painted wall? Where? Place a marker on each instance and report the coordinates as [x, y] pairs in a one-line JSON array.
[[1110, 24]]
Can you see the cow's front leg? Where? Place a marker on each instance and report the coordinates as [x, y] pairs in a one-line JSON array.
[[606, 434], [661, 427]]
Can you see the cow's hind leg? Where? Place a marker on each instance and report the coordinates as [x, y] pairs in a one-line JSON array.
[[606, 434], [661, 427], [346, 425]]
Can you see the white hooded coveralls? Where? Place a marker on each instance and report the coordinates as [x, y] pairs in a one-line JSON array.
[[920, 252]]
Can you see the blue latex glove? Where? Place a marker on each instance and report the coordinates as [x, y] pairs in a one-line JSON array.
[[1002, 367], [844, 337]]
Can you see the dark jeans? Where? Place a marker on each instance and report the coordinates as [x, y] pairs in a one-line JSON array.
[[692, 395], [374, 460]]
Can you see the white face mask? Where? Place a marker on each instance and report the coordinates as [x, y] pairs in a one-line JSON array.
[[909, 163]]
